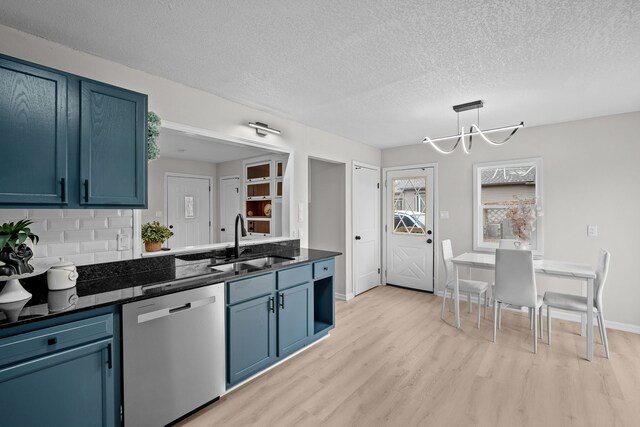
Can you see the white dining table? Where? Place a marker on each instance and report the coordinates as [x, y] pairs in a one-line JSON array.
[[562, 269]]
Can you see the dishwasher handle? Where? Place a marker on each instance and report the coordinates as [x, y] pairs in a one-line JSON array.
[[187, 306], [168, 311]]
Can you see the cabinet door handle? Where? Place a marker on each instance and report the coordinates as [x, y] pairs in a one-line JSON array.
[[282, 301], [86, 191], [109, 356], [358, 237], [272, 304], [223, 229], [52, 341], [325, 268], [63, 190]]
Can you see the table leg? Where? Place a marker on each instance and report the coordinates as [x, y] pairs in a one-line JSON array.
[[456, 299], [583, 316], [589, 319]]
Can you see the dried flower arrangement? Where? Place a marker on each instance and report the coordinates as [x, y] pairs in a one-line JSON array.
[[522, 215]]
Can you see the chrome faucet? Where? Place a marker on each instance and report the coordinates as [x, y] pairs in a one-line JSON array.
[[239, 218]]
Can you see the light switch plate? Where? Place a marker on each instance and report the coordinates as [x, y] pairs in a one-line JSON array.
[[158, 214], [592, 231], [444, 214], [123, 242]]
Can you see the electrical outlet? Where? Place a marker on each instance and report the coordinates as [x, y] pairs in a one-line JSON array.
[[123, 242], [592, 231], [444, 214], [158, 214]]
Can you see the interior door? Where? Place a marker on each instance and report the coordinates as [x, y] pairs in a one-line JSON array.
[[366, 228], [229, 206], [189, 210], [409, 228]]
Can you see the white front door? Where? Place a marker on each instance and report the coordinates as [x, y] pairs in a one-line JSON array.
[[189, 210], [366, 228], [229, 206], [409, 228]]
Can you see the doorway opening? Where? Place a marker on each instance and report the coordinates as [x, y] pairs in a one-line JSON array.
[[327, 213]]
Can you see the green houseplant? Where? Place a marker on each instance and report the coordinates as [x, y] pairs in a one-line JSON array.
[[153, 131], [14, 252], [154, 235]]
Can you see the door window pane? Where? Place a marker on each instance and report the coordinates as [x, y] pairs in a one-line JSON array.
[[409, 205]]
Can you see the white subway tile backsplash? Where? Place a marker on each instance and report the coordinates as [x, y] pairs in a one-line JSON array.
[[62, 249], [107, 234], [84, 236], [45, 213], [61, 224], [93, 224], [97, 246], [77, 213], [107, 256], [104, 213], [119, 222], [12, 215], [78, 235]]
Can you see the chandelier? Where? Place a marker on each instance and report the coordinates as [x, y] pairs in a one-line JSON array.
[[474, 129]]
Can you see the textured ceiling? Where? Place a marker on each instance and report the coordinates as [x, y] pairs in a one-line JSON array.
[[179, 145], [385, 73]]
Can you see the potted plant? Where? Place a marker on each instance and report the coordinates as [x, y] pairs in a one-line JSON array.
[[153, 131], [15, 254], [154, 235]]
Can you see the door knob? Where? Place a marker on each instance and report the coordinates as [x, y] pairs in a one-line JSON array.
[[429, 231], [223, 229], [358, 237], [171, 226], [429, 241]]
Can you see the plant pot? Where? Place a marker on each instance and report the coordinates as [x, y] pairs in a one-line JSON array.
[[152, 246], [16, 261]]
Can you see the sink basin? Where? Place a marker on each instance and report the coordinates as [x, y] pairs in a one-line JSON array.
[[250, 264]]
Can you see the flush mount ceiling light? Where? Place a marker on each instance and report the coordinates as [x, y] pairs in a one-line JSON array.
[[263, 128], [474, 130]]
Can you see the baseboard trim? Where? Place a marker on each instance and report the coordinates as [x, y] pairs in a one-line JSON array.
[[343, 297], [570, 316]]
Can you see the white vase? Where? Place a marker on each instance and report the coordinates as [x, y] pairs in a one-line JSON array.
[[523, 245]]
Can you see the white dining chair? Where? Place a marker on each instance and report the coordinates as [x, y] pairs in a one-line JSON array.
[[507, 243], [516, 285], [465, 286], [580, 304]]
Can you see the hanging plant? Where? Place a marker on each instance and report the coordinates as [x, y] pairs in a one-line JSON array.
[[153, 131]]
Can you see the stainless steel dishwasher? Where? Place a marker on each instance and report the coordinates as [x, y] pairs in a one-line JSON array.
[[173, 355]]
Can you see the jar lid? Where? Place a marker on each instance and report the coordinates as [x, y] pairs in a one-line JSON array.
[[62, 264]]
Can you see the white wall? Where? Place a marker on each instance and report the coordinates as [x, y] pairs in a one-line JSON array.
[[591, 177], [182, 104], [156, 188], [326, 213]]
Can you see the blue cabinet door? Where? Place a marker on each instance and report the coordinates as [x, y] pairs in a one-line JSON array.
[[295, 318], [33, 135], [113, 155], [70, 388], [251, 337]]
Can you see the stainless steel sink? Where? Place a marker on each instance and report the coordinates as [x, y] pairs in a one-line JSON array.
[[250, 264]]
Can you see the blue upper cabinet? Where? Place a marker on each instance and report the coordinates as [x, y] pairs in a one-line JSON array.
[[70, 142], [33, 135], [113, 157]]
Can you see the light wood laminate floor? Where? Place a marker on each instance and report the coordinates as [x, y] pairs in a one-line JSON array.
[[392, 361]]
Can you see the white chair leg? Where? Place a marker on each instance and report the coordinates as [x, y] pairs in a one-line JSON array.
[[604, 333], [485, 304], [548, 325], [600, 329], [499, 315], [496, 306], [444, 302], [540, 323], [535, 331], [469, 302], [478, 310], [531, 318]]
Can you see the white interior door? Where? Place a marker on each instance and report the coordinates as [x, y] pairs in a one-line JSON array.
[[189, 210], [366, 228], [409, 228], [229, 206]]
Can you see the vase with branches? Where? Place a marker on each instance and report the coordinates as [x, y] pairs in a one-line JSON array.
[[522, 215]]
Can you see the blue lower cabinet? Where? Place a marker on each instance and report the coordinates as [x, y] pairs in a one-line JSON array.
[[251, 344], [295, 318], [62, 375]]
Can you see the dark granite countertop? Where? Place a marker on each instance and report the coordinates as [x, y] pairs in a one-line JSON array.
[[126, 281]]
